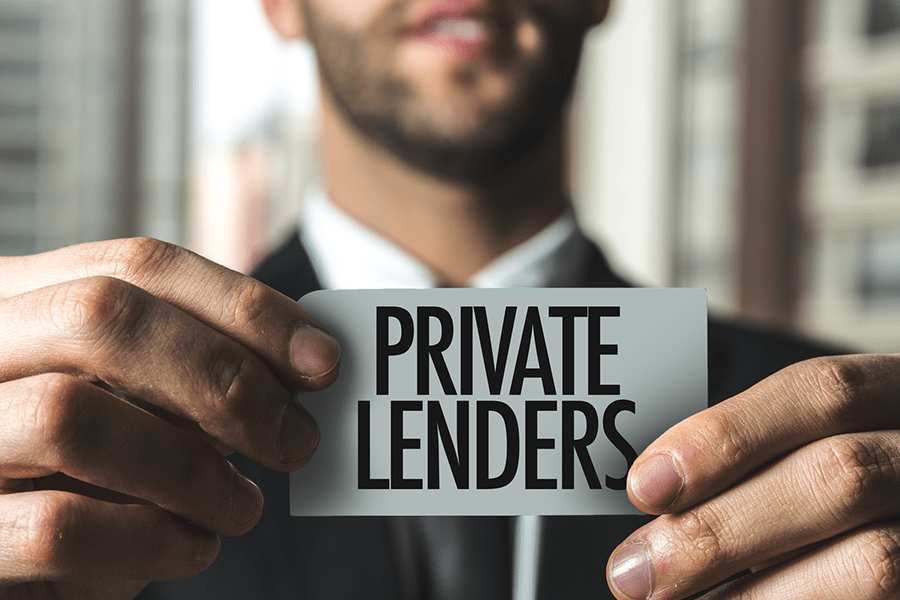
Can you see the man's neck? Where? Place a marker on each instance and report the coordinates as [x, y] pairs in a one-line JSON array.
[[453, 228]]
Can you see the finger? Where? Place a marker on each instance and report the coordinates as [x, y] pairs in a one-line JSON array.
[[712, 450], [60, 424], [111, 330], [813, 494], [267, 322], [862, 565], [57, 535]]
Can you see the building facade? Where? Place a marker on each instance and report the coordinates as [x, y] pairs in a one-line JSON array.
[[93, 113], [852, 178]]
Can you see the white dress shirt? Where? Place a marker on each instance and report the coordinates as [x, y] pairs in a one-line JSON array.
[[345, 254], [348, 255]]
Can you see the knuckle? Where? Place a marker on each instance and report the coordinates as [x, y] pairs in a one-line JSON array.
[[55, 385], [56, 412], [854, 469], [98, 307], [232, 382], [838, 381], [698, 536], [244, 400], [27, 407], [135, 258], [245, 307], [45, 540], [879, 561], [721, 433], [51, 389]]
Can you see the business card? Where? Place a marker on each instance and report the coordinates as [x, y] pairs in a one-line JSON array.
[[497, 402]]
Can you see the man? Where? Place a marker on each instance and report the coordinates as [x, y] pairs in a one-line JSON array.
[[125, 365]]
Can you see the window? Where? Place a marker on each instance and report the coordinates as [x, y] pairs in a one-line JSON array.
[[883, 17], [706, 162], [20, 74], [882, 145], [880, 267]]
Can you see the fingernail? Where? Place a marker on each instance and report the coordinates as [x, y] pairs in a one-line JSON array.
[[631, 573], [314, 353], [657, 481], [247, 500], [299, 436]]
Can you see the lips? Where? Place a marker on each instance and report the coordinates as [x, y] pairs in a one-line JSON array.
[[460, 26]]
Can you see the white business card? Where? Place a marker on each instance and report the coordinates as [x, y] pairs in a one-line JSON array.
[[497, 402]]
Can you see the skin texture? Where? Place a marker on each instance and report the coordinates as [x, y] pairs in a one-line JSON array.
[[467, 121], [455, 160], [792, 486], [116, 351]]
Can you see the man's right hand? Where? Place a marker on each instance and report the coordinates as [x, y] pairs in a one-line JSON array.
[[127, 369]]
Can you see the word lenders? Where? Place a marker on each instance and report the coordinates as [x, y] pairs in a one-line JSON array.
[[498, 402]]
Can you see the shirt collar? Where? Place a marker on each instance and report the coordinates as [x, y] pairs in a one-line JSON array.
[[348, 255]]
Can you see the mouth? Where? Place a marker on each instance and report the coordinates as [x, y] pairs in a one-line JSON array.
[[463, 29]]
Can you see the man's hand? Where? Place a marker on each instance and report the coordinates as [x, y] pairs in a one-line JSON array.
[[97, 494], [791, 489]]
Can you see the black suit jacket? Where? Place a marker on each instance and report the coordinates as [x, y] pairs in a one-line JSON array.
[[347, 558]]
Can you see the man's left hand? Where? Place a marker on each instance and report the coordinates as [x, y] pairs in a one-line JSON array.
[[788, 490]]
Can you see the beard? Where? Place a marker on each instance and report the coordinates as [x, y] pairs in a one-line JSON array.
[[357, 71]]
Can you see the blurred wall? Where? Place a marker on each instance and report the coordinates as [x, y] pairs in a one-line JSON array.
[[625, 131], [254, 133]]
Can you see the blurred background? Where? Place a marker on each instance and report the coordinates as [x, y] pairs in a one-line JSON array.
[[751, 147]]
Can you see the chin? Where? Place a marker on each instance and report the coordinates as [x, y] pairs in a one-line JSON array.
[[457, 115], [453, 125]]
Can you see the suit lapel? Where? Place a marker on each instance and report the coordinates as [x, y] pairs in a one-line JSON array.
[[326, 557], [574, 549]]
